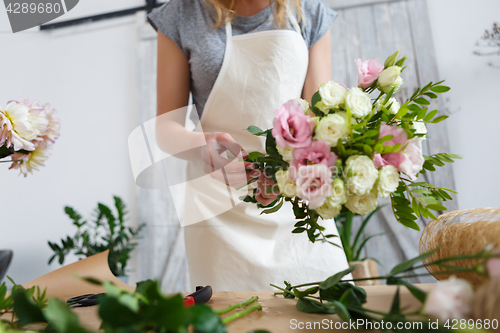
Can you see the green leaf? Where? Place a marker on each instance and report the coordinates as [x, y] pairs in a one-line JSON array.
[[440, 89], [341, 311], [430, 115], [415, 291], [254, 155], [62, 318], [438, 119], [431, 95], [422, 101], [437, 207], [336, 278], [395, 307], [205, 320], [391, 60], [298, 230], [401, 62], [335, 292], [24, 309], [312, 306], [256, 131], [408, 265], [273, 209]]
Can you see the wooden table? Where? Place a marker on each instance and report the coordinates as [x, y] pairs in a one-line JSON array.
[[278, 314]]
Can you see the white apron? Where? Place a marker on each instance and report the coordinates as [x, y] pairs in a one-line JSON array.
[[237, 248]]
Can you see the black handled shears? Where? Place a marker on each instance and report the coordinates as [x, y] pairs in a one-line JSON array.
[[200, 296]]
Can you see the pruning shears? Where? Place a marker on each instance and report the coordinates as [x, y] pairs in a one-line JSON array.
[[200, 296]]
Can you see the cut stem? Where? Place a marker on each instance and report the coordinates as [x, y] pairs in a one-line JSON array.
[[241, 313], [235, 306]]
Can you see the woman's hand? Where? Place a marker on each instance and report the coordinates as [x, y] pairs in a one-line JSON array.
[[235, 172], [264, 183]]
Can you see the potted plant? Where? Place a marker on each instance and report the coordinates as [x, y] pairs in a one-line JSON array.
[[105, 232], [354, 244]]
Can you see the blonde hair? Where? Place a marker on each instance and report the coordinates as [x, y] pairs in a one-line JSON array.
[[225, 11]]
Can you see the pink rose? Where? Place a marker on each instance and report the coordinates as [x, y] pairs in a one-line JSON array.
[[410, 160], [368, 72], [449, 299], [317, 153], [263, 184], [493, 265], [414, 160], [314, 182], [291, 127], [398, 133]]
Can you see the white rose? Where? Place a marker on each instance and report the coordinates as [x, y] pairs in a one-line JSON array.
[[362, 204], [332, 96], [304, 104], [286, 185], [449, 299], [392, 102], [358, 102], [388, 180], [328, 211], [286, 153], [390, 78], [420, 128], [332, 128], [339, 193], [360, 174]]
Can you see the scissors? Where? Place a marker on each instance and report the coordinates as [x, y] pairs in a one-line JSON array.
[[200, 296]]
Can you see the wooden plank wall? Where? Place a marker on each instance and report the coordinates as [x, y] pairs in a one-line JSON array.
[[370, 29], [364, 29]]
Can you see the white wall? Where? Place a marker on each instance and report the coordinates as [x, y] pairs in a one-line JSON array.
[[89, 75], [473, 127]]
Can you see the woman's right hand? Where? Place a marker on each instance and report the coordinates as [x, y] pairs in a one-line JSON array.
[[233, 172]]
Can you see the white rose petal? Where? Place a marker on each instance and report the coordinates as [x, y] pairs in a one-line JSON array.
[[328, 211], [392, 102], [360, 174], [304, 104], [390, 78], [339, 193], [358, 102], [332, 96], [332, 128], [388, 180], [449, 299], [362, 204], [286, 185], [286, 153], [420, 128]]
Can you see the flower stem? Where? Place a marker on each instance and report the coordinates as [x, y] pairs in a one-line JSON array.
[[241, 313], [235, 306]]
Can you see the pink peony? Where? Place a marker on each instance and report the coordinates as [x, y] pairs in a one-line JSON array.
[[398, 133], [368, 72], [291, 127], [493, 265], [317, 153], [314, 182], [449, 299]]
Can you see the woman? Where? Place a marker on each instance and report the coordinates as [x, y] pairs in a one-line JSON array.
[[240, 60]]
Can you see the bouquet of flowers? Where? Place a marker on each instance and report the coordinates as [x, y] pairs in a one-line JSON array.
[[348, 148], [27, 130]]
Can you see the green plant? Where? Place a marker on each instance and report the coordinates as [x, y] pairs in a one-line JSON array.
[[105, 232], [353, 248]]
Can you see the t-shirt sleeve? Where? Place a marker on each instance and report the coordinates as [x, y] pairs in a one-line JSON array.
[[317, 19], [166, 19]]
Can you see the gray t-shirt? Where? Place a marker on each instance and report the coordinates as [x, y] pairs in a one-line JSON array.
[[189, 24]]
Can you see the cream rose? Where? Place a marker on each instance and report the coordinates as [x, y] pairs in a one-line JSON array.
[[327, 210], [392, 102], [358, 102], [286, 185], [390, 78], [362, 204], [303, 103], [420, 128], [339, 193], [360, 174], [332, 96], [286, 153], [388, 180], [332, 128]]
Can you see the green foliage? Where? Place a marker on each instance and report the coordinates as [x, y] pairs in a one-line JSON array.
[[146, 309], [106, 231], [353, 248], [337, 295]]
